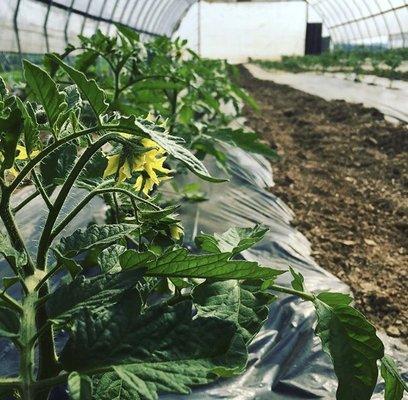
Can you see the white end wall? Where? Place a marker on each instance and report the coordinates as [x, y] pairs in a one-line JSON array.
[[237, 31]]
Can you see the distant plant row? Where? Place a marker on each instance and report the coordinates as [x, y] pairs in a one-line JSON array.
[[361, 60]]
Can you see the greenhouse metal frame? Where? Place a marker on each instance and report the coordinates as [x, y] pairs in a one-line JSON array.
[[349, 22]]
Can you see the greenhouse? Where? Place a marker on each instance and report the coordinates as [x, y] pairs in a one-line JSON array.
[[203, 199]]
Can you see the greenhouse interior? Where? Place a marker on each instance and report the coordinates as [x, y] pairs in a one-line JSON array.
[[203, 199]]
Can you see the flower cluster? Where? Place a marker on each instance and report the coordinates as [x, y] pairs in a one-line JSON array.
[[148, 163]]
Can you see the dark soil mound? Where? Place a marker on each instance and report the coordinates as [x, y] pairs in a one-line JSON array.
[[344, 171]]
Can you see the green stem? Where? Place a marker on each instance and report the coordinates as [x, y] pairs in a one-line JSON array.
[[88, 198], [302, 295], [34, 161], [48, 365], [46, 236], [11, 383], [27, 200], [12, 230], [14, 304], [116, 79], [41, 189], [28, 330], [48, 275]]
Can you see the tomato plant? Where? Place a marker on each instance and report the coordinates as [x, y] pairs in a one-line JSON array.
[[139, 313]]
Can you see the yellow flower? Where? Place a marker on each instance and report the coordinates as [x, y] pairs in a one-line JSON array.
[[149, 162], [176, 231], [22, 155]]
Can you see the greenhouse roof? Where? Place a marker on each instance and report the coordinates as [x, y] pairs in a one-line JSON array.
[[38, 26]]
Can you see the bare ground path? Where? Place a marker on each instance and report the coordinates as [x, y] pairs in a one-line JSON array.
[[344, 171]]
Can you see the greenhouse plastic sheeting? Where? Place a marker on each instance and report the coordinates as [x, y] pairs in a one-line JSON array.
[[391, 102], [286, 359]]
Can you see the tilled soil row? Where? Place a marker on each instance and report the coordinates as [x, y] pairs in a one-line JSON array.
[[344, 171]]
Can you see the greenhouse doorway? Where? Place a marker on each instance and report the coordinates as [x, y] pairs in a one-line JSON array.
[[313, 38]]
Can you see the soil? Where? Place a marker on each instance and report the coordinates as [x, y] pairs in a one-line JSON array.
[[344, 171]]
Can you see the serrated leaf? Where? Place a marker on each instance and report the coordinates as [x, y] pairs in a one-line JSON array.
[[9, 323], [241, 303], [31, 128], [172, 145], [56, 166], [16, 258], [335, 299], [9, 281], [150, 215], [234, 240], [298, 280], [11, 128], [164, 349], [354, 347], [73, 96], [79, 386], [181, 153], [394, 383], [134, 259], [246, 140], [84, 60], [71, 265], [108, 259], [95, 235], [88, 87], [128, 33], [91, 175], [181, 264], [95, 293], [45, 91]]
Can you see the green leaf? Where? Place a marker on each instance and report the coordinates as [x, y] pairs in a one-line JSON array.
[[134, 259], [246, 140], [234, 240], [84, 60], [46, 92], [71, 265], [15, 258], [110, 387], [9, 281], [92, 175], [94, 235], [88, 87], [335, 299], [164, 349], [128, 33], [108, 259], [247, 98], [191, 192], [156, 84], [79, 386], [9, 323], [172, 145], [298, 280], [151, 215], [242, 303], [3, 88], [56, 166], [394, 383], [181, 264], [11, 128], [354, 347], [73, 96], [95, 293], [31, 128]]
